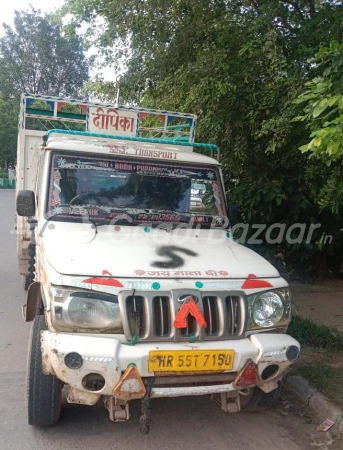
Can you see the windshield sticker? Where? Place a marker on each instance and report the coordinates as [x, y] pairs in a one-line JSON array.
[[162, 154], [61, 162], [159, 217], [58, 210], [218, 202], [56, 191], [78, 210]]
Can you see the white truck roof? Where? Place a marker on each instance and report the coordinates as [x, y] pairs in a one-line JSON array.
[[124, 148]]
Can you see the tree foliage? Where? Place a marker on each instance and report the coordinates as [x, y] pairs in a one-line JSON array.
[[37, 57], [9, 111], [239, 65], [324, 104]]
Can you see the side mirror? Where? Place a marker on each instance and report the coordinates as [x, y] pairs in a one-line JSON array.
[[233, 215], [26, 204]]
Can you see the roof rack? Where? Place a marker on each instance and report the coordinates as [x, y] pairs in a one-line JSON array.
[[45, 112], [212, 147]]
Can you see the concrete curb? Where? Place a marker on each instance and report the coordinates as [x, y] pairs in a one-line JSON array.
[[317, 401]]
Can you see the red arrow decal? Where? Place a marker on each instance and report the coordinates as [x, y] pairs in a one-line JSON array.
[[189, 307], [104, 281]]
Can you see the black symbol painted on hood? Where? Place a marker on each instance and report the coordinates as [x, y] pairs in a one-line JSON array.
[[174, 260]]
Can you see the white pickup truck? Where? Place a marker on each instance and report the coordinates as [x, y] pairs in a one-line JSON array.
[[136, 288]]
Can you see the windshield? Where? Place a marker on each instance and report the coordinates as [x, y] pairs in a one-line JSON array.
[[107, 188]]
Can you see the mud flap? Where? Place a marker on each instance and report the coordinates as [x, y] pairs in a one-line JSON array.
[[33, 302]]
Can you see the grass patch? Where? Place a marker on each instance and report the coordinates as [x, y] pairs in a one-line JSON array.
[[321, 358], [326, 379], [318, 374], [310, 334]]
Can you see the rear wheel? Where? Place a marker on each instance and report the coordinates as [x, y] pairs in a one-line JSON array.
[[258, 400], [26, 281], [43, 392]]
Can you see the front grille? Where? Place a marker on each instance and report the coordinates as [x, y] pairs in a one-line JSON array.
[[211, 315], [161, 316], [151, 316], [233, 312], [136, 316]]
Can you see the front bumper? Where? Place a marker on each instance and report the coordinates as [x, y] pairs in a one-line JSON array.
[[108, 357]]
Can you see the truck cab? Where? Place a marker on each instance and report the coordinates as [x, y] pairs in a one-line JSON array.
[[136, 287]]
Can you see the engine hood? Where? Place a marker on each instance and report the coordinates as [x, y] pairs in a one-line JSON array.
[[129, 252]]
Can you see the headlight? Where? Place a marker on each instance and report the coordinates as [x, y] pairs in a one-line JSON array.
[[269, 309], [85, 311]]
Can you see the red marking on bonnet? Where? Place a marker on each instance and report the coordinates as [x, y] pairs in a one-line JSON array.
[[104, 281], [252, 283]]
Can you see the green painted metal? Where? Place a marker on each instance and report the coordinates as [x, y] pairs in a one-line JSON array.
[[4, 183], [173, 127], [39, 112], [164, 135], [65, 115], [134, 138]]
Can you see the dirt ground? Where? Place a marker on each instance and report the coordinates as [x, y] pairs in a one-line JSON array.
[[322, 302], [304, 427]]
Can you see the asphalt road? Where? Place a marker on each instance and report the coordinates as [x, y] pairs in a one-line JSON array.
[[184, 423]]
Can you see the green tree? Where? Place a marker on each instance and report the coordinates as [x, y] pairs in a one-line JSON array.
[[36, 56], [239, 65], [323, 111], [322, 102], [9, 111]]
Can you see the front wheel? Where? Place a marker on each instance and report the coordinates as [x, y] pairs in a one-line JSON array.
[[257, 400], [43, 392]]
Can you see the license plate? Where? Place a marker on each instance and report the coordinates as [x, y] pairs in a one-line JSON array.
[[190, 360]]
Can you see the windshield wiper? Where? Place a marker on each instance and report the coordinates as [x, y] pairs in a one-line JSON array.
[[95, 227]]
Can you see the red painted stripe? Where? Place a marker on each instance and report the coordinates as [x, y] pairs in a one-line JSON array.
[[253, 283], [104, 282], [106, 272]]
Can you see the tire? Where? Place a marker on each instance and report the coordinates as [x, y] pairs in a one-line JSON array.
[[30, 277], [27, 280], [24, 282], [259, 400], [43, 392]]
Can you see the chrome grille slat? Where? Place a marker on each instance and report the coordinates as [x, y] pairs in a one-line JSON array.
[[210, 315], [231, 312], [162, 317], [224, 312]]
